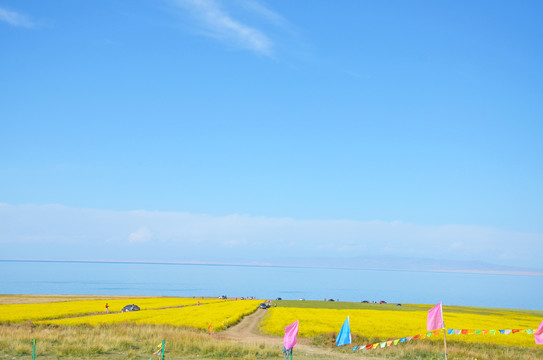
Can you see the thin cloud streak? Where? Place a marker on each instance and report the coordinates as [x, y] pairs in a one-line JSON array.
[[219, 24], [16, 19], [259, 9]]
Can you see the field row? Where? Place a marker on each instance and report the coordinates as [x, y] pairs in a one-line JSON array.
[[62, 309], [219, 314]]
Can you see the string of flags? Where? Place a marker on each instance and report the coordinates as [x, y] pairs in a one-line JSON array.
[[160, 351], [403, 340], [435, 325]]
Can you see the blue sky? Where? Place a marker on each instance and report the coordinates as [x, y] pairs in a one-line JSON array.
[[238, 129]]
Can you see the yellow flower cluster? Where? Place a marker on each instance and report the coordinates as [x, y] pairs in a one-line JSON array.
[[384, 325], [55, 310], [221, 314]]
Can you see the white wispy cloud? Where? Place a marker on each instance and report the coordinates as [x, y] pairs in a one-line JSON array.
[[55, 231], [215, 21], [141, 235], [261, 10], [16, 19]]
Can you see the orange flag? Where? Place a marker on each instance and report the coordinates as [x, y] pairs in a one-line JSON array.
[[210, 328]]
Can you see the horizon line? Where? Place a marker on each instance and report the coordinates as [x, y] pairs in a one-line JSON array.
[[262, 264]]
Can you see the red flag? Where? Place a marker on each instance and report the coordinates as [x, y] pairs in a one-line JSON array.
[[435, 318]]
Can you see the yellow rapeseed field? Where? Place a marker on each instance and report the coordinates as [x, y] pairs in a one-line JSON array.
[[221, 315], [56, 310], [381, 325]]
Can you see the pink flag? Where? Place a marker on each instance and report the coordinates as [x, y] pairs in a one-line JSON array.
[[539, 335], [291, 333], [435, 318]]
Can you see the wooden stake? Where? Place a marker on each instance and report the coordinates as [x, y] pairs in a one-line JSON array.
[[444, 333]]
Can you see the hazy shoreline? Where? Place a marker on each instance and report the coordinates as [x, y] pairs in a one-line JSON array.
[[259, 264]]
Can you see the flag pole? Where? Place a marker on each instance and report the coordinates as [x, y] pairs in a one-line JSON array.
[[444, 333], [163, 345]]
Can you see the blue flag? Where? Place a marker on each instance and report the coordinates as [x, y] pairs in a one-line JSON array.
[[344, 336]]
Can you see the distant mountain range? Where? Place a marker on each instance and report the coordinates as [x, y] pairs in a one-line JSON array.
[[408, 264]]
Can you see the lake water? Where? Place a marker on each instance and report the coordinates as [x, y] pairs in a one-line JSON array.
[[76, 278]]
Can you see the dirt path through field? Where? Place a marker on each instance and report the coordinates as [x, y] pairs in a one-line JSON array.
[[247, 332]]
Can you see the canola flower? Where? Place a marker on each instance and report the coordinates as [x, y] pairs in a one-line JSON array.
[[221, 315], [381, 325], [55, 310]]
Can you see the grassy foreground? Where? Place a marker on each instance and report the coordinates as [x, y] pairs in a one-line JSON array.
[[126, 341]]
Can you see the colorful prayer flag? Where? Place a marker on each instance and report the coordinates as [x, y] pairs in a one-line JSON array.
[[450, 331], [344, 336], [291, 334], [210, 328], [477, 332], [435, 318], [492, 332], [529, 331], [457, 332], [383, 344], [396, 341], [389, 343]]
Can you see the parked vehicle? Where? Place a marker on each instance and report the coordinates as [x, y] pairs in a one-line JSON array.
[[131, 307], [264, 306]]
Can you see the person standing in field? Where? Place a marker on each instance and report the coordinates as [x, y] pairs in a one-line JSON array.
[[107, 308]]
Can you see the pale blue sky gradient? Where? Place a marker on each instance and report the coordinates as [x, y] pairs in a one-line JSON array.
[[419, 112]]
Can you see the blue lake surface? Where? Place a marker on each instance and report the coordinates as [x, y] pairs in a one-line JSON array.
[[268, 282]]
